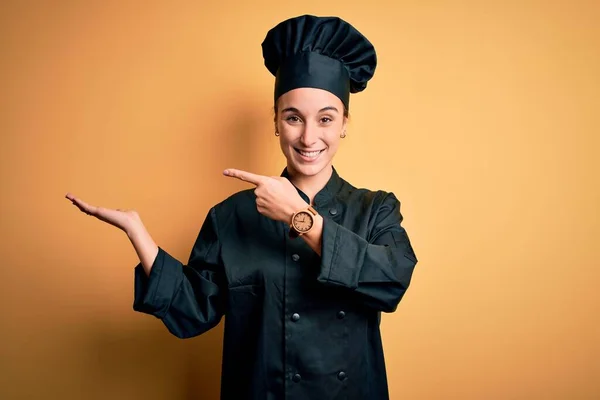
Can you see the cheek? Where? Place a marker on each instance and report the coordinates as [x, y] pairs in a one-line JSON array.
[[287, 134], [284, 142], [333, 147], [284, 138], [333, 140]]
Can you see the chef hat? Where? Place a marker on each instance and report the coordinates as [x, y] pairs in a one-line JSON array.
[[320, 52]]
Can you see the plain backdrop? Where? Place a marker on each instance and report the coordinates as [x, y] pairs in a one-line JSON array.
[[482, 118]]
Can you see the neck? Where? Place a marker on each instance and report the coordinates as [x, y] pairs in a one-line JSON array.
[[311, 185]]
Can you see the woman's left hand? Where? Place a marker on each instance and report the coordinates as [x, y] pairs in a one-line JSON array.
[[276, 197]]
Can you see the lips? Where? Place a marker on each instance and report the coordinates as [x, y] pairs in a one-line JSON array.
[[309, 155]]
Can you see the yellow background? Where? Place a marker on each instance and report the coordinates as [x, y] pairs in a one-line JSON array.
[[483, 118]]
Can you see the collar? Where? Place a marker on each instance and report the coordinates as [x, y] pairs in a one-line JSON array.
[[327, 193]]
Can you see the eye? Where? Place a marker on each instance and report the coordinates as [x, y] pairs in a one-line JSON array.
[[326, 120], [293, 118]]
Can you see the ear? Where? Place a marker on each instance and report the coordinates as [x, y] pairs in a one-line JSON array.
[[344, 123]]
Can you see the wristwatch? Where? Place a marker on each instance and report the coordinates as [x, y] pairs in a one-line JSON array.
[[302, 221]]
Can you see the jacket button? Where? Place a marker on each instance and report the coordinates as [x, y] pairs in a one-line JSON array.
[[295, 257], [333, 211], [295, 317], [342, 375], [341, 314], [296, 378]]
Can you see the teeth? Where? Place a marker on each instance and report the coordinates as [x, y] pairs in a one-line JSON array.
[[309, 153]]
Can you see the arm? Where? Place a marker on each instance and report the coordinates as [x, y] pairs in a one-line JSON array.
[[129, 222], [314, 237], [189, 299], [144, 246], [378, 271]]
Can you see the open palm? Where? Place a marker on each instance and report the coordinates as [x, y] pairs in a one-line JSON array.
[[122, 219]]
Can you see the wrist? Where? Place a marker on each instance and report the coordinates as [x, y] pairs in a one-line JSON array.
[[314, 237], [294, 208], [135, 230], [317, 226], [303, 221]]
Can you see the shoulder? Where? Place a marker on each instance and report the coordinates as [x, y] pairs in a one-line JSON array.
[[235, 202], [239, 204], [371, 198]]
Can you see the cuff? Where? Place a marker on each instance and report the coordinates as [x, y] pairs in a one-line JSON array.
[[153, 294], [342, 255]]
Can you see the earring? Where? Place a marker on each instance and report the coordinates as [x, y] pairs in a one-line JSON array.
[[343, 135], [276, 133]]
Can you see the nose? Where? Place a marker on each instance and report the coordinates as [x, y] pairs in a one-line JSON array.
[[310, 135]]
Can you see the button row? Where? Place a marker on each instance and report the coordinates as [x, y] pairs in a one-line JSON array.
[[341, 376], [295, 316]]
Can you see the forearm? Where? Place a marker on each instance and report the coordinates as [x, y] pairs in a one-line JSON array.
[[190, 298], [144, 246], [314, 237], [378, 273], [187, 298]]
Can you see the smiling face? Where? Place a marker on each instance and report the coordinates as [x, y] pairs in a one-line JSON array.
[[310, 122]]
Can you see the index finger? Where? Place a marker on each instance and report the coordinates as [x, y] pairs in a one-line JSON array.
[[244, 176]]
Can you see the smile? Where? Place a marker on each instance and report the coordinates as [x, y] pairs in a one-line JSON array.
[[309, 154]]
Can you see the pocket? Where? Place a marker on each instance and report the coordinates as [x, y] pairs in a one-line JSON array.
[[245, 305], [243, 320]]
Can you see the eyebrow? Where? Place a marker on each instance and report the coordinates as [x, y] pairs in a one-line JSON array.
[[295, 110]]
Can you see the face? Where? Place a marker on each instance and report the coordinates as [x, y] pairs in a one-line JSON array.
[[310, 122]]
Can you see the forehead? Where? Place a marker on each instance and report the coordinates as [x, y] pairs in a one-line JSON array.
[[309, 99]]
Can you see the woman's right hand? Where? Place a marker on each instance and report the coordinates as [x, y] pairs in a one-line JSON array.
[[126, 220]]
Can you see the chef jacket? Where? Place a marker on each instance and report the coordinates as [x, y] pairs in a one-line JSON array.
[[298, 326]]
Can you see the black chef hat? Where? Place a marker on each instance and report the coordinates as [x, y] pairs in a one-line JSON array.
[[321, 52]]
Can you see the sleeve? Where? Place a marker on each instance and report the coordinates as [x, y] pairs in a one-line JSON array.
[[189, 299], [378, 270]]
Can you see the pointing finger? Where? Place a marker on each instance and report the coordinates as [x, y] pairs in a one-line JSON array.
[[244, 176]]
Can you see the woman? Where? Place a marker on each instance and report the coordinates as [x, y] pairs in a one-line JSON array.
[[302, 265]]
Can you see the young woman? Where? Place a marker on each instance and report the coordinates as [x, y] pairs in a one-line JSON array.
[[301, 265]]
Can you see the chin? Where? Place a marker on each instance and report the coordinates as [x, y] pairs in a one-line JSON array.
[[309, 170]]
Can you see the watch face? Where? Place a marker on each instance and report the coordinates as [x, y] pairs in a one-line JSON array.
[[303, 221]]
